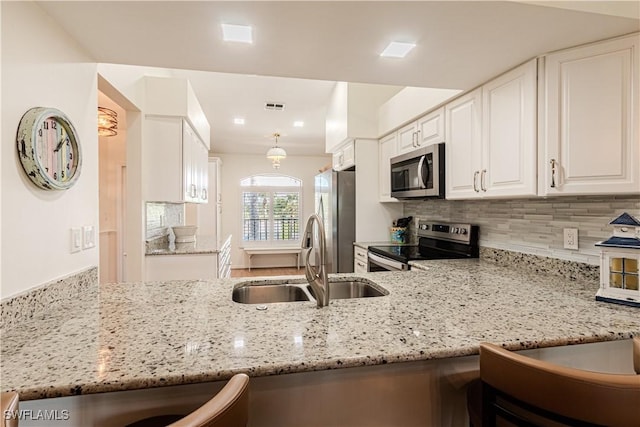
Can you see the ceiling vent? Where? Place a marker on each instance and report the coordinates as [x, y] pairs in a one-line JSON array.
[[274, 106]]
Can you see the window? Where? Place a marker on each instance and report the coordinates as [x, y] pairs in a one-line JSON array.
[[271, 208]]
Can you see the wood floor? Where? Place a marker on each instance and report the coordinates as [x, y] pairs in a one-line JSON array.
[[256, 272]]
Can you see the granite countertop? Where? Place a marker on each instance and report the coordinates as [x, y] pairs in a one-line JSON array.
[[139, 335], [202, 245]]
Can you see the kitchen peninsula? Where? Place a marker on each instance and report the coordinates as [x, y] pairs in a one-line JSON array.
[[141, 335]]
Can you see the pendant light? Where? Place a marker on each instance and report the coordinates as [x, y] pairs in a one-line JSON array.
[[275, 153]]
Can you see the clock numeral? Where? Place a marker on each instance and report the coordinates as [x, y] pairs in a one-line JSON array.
[[54, 125], [55, 175], [39, 132], [61, 174], [46, 125]]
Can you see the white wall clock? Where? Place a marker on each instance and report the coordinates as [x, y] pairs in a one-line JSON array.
[[48, 148]]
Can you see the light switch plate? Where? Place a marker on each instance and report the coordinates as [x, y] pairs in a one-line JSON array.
[[88, 237], [76, 240]]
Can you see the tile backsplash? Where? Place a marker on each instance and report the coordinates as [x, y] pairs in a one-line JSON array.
[[533, 226], [161, 217]]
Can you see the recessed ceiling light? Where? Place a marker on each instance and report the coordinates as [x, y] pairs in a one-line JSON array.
[[298, 124], [237, 33], [238, 121], [397, 50]]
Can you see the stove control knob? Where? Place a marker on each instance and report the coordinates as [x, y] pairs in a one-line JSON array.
[[463, 231], [424, 227], [454, 230]]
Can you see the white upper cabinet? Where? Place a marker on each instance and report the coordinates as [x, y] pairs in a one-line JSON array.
[[589, 120], [491, 138], [427, 130], [462, 149], [344, 157], [387, 148], [407, 138], [509, 122], [175, 143], [431, 128]]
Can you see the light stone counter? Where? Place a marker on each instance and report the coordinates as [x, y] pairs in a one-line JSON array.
[[140, 335], [202, 245]]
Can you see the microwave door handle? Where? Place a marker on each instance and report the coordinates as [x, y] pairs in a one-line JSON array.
[[392, 264], [420, 177]]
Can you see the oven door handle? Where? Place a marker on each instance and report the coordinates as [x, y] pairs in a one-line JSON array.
[[389, 263]]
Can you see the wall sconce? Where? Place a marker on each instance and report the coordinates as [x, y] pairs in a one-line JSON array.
[[107, 122]]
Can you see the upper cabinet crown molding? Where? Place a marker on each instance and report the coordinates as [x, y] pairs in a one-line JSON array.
[[172, 96], [589, 109]]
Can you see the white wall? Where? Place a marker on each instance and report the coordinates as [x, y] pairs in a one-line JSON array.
[[43, 66], [409, 104], [238, 166]]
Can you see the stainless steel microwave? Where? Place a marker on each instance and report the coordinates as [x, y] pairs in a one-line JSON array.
[[418, 174]]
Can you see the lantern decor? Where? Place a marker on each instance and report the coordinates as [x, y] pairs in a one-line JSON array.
[[619, 261]]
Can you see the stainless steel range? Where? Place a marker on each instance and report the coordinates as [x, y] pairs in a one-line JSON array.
[[437, 240]]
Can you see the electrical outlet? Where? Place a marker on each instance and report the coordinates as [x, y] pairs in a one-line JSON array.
[[88, 237], [76, 240], [571, 238]]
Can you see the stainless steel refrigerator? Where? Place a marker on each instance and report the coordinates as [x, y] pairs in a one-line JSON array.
[[336, 205]]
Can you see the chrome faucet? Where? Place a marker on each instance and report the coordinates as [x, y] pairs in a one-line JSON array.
[[316, 276]]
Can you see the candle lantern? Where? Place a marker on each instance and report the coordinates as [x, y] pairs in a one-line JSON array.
[[619, 261]]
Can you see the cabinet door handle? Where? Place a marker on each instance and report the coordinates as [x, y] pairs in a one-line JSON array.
[[418, 138], [475, 181], [414, 140], [553, 173], [361, 264], [482, 180], [205, 195]]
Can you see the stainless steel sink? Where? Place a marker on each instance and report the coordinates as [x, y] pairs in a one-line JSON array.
[[264, 293], [268, 293], [352, 289]]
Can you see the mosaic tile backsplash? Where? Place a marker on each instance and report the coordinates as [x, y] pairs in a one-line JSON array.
[[161, 217], [533, 226]]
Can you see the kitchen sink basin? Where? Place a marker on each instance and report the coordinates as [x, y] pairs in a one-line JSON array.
[[268, 293], [351, 289], [264, 293]]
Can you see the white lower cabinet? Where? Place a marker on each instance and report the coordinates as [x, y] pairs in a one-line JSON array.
[[360, 261], [491, 138], [181, 267], [589, 120]]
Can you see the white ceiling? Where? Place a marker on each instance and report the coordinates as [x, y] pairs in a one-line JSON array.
[[459, 45]]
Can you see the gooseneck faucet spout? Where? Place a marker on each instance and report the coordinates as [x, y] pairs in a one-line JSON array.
[[316, 275]]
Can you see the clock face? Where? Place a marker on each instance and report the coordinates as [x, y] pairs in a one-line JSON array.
[[48, 148]]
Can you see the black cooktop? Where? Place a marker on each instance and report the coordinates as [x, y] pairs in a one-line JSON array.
[[406, 253]]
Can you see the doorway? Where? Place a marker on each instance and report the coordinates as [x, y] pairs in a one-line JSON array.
[[112, 164]]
